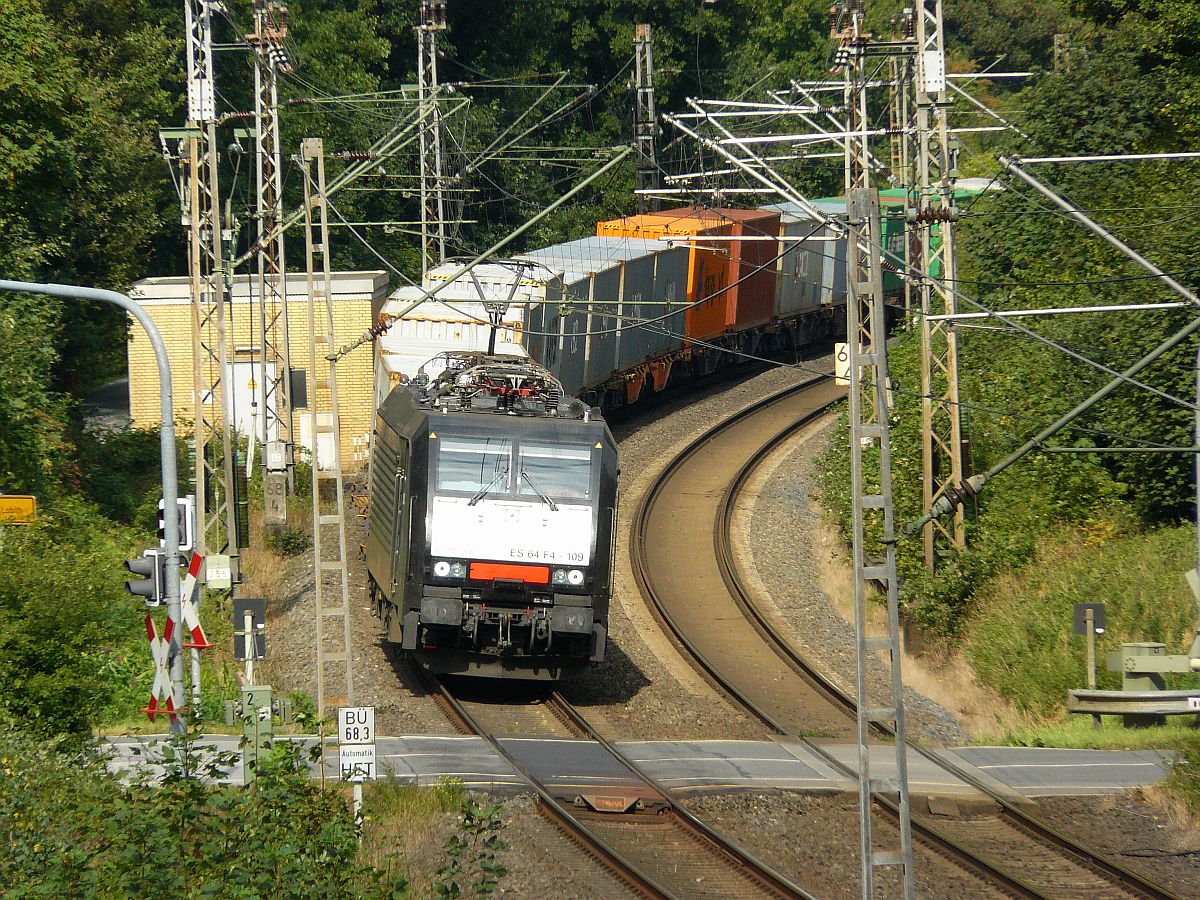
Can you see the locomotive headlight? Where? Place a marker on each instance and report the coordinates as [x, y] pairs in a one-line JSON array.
[[575, 577], [441, 568], [559, 576], [458, 570]]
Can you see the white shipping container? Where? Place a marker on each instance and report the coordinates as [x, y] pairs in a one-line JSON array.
[[457, 319]]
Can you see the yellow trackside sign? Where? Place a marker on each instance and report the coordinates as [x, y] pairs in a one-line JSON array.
[[17, 509]]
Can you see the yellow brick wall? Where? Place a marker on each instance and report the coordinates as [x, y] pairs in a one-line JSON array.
[[355, 377]]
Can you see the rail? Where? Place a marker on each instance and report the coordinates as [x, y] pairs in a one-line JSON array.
[[744, 866], [1018, 818]]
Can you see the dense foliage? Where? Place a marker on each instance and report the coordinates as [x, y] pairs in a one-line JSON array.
[[72, 647], [86, 198], [1017, 251], [69, 828], [1025, 647]]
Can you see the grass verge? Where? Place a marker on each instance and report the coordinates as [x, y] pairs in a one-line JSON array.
[[405, 827], [1076, 731], [1020, 640]]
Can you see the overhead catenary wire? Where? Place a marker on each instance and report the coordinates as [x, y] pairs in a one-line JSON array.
[[656, 324], [381, 327], [761, 172], [948, 502]]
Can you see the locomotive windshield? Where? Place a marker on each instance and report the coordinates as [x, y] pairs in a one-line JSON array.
[[483, 467], [563, 472], [475, 465]]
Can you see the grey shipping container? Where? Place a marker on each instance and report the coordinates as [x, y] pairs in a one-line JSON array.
[[637, 303], [576, 259], [602, 326], [571, 364], [610, 282], [834, 290], [543, 338], [649, 285], [811, 273], [802, 269]]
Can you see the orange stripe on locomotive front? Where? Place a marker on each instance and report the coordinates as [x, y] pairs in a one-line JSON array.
[[481, 571]]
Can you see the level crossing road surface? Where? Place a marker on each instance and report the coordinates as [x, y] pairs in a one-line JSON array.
[[707, 766]]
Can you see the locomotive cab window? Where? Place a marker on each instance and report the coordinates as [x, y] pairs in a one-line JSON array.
[[556, 471], [474, 464]]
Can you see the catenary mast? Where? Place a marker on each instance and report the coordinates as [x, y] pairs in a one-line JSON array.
[[941, 415], [433, 202], [871, 491], [274, 390], [216, 530]]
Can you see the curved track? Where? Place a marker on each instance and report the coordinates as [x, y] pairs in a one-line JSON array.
[[710, 613], [615, 813]]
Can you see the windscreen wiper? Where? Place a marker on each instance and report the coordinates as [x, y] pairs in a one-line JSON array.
[[538, 491], [487, 488]]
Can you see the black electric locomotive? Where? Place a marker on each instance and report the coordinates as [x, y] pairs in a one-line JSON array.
[[492, 510]]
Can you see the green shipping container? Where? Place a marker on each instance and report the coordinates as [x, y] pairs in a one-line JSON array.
[[891, 202]]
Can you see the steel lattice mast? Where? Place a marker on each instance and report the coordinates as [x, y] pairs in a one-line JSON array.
[[645, 125], [900, 77], [214, 450], [941, 418], [274, 397], [433, 202], [866, 330]]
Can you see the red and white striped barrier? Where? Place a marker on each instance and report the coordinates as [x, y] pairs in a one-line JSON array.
[[160, 649], [191, 618]]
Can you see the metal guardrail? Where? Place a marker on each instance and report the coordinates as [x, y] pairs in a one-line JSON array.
[[1153, 703]]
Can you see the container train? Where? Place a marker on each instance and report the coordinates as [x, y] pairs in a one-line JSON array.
[[491, 519], [492, 474], [492, 492], [649, 301]]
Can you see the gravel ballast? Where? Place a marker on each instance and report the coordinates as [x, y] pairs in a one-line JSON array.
[[795, 559], [645, 689], [813, 840]]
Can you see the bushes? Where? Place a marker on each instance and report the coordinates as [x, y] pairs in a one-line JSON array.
[[1020, 640], [72, 643], [68, 828], [471, 863], [290, 541], [120, 471], [1036, 496]]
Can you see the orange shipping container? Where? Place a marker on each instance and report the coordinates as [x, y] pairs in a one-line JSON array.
[[752, 266], [708, 269]]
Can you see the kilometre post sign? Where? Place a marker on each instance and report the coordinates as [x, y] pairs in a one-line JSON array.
[[18, 509], [356, 725], [356, 743]]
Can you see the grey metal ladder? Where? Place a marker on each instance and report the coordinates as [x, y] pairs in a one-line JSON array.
[[331, 576]]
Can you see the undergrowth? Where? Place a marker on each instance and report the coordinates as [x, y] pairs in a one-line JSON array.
[[69, 828], [1021, 641], [401, 830]]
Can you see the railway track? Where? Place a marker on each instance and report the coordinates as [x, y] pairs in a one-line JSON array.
[[717, 623], [613, 812]]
